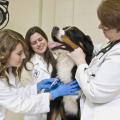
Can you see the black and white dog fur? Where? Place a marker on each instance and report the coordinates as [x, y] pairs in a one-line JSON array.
[[66, 68]]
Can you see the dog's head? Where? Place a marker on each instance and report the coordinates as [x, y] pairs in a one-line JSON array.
[[71, 38]]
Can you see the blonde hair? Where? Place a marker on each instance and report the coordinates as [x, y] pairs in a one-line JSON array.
[[9, 39]]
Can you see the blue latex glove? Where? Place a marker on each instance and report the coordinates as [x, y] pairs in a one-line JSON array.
[[71, 88], [46, 84]]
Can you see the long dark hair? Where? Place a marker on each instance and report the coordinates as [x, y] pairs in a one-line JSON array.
[[48, 56]]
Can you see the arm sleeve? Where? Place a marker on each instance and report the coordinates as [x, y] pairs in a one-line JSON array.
[[26, 77], [19, 100], [105, 86]]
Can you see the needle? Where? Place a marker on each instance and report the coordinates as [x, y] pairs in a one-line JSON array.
[[54, 82]]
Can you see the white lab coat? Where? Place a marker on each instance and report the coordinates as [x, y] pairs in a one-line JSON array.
[[38, 73], [100, 83], [21, 99]]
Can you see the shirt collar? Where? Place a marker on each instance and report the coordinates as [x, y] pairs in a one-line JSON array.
[[36, 59]]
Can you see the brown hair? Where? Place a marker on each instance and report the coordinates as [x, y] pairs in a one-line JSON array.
[[9, 39], [48, 56], [109, 13]]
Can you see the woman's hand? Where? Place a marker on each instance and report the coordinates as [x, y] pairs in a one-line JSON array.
[[46, 84], [78, 56], [70, 88]]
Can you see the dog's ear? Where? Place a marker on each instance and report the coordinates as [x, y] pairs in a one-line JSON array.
[[84, 41], [74, 34], [88, 48]]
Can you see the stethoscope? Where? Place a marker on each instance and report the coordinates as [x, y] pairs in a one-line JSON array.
[[107, 48], [102, 52]]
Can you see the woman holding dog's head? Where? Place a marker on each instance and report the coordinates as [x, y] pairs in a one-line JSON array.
[[44, 64], [14, 97], [100, 81]]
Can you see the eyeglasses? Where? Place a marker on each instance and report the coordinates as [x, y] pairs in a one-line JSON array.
[[104, 27]]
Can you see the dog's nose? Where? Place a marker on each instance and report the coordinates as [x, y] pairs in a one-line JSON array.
[[55, 31], [55, 28]]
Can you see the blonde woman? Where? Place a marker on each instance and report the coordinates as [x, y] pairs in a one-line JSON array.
[[13, 96]]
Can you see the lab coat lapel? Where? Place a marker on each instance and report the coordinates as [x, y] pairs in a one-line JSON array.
[[39, 63]]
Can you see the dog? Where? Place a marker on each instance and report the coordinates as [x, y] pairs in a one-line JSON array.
[[69, 38]]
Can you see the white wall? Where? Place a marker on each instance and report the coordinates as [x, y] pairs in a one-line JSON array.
[[47, 13], [24, 14], [81, 13]]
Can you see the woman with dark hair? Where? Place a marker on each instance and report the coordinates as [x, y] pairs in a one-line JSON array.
[[100, 80], [37, 42], [40, 62], [30, 38]]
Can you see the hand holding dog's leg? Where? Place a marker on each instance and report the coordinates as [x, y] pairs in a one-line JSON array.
[[71, 88]]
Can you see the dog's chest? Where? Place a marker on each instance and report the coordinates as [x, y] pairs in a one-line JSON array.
[[64, 68]]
